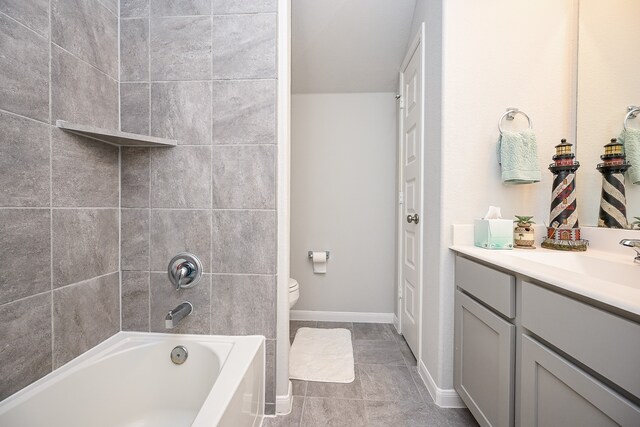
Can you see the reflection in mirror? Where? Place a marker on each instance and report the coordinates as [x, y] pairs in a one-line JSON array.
[[608, 82]]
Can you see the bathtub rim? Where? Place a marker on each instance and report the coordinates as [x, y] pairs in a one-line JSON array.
[[242, 352]]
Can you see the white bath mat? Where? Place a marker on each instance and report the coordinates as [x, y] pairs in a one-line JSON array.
[[324, 355]]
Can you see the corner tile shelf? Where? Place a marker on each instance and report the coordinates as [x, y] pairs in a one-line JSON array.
[[115, 137]]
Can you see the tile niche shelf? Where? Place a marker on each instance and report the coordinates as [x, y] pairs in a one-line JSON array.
[[115, 137]]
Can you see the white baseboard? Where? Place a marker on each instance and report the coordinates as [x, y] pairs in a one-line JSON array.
[[445, 398], [396, 323], [284, 403], [341, 316]]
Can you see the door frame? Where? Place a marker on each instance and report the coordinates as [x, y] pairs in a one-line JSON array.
[[416, 43]]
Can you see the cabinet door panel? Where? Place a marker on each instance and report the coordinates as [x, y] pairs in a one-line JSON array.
[[606, 343], [484, 362], [556, 393]]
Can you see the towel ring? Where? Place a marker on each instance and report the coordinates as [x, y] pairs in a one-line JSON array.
[[510, 115], [632, 114]]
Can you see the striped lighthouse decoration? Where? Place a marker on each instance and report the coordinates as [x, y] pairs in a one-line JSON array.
[[613, 202], [564, 230]]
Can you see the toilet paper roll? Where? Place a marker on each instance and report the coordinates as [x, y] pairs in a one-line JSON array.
[[319, 262]]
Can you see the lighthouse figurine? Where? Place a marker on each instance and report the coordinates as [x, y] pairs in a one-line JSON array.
[[613, 202], [564, 230]]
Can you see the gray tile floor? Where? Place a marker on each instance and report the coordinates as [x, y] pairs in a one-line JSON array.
[[387, 390]]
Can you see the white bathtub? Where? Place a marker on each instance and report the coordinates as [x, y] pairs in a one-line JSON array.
[[130, 380]]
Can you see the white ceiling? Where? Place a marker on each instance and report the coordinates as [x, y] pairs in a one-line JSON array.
[[342, 46]]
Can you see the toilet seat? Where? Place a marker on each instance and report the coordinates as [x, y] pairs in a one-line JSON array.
[[294, 292]]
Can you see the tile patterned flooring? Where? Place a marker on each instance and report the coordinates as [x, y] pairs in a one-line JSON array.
[[387, 390]]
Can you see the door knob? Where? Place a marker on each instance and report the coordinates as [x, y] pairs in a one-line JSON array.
[[413, 218]]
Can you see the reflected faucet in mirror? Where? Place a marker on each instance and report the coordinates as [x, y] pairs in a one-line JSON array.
[[632, 243]]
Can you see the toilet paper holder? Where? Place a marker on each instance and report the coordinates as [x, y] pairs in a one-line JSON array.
[[310, 254]]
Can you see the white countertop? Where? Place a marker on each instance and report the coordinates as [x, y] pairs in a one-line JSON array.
[[609, 277]]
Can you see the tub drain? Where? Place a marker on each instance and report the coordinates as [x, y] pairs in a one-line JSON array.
[[179, 355]]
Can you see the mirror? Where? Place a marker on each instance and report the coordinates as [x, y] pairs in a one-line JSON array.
[[608, 82]]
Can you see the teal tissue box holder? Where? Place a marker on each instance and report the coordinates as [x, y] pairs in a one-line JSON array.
[[493, 233]]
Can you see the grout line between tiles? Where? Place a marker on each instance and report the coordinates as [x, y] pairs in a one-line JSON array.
[[210, 14], [29, 28], [217, 274], [168, 209], [34, 208], [67, 208], [150, 159], [214, 80], [11, 113], [347, 398], [149, 76], [225, 145], [119, 172], [210, 304], [120, 231], [25, 298], [51, 195], [116, 13], [211, 233], [366, 412], [265, 12], [88, 63], [150, 229], [82, 282], [304, 402]]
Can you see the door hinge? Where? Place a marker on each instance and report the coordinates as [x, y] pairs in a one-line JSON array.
[[400, 100], [399, 292], [400, 197]]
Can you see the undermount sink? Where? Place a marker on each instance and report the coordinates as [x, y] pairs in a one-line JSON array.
[[600, 265]]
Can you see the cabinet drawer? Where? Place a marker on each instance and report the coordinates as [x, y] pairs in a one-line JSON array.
[[606, 343], [555, 392], [495, 288]]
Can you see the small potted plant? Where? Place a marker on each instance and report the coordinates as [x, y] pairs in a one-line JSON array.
[[523, 235], [635, 225]]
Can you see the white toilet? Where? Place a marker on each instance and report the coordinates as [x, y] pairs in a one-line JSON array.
[[294, 292]]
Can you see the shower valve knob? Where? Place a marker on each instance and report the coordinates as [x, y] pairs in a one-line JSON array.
[[185, 271]]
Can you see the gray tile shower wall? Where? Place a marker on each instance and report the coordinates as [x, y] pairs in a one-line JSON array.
[[59, 193], [202, 72], [24, 70]]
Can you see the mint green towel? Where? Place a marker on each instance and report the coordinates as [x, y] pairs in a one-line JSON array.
[[518, 153], [631, 140]]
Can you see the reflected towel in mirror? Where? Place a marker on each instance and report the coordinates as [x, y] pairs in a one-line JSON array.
[[630, 138]]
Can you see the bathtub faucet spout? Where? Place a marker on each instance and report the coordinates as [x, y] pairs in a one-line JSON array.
[[177, 314]]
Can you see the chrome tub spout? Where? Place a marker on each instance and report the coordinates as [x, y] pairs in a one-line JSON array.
[[177, 314]]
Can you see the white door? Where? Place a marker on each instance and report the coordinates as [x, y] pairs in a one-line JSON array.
[[411, 179]]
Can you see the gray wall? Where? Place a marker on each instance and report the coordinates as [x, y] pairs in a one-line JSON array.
[[343, 200], [59, 193], [204, 73]]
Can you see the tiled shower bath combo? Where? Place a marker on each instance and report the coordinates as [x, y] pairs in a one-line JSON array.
[[79, 217]]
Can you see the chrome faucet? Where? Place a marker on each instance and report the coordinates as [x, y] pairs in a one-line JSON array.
[[177, 314], [632, 243]]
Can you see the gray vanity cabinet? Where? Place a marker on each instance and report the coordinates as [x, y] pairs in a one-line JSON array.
[[484, 343], [528, 354], [555, 392]]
